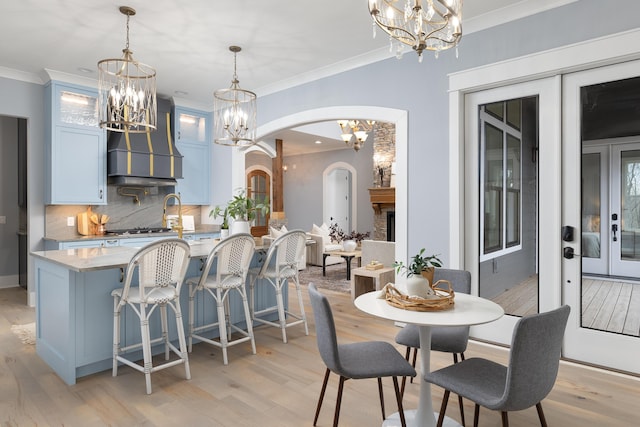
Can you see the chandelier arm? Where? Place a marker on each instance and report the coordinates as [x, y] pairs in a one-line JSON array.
[[390, 29]]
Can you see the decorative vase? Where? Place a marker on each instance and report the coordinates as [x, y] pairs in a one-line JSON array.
[[418, 286], [224, 233], [428, 274], [240, 226], [349, 245]]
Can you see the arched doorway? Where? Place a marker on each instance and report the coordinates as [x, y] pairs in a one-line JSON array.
[[398, 117], [340, 202]]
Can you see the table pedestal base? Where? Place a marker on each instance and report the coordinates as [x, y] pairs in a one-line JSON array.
[[394, 420]]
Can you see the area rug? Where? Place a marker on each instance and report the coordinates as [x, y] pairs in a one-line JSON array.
[[335, 280], [26, 333]]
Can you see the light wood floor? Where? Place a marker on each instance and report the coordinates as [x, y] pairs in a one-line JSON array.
[[277, 387]]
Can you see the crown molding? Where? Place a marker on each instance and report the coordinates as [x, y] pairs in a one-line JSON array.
[[22, 76], [510, 13]]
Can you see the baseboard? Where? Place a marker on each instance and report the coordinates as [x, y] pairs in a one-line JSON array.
[[9, 281]]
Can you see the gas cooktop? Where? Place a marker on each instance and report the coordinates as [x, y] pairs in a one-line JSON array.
[[139, 230]]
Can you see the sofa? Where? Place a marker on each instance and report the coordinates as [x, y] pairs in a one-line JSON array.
[[322, 243]]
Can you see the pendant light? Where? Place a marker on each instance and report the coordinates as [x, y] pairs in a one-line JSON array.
[[234, 113], [127, 91]]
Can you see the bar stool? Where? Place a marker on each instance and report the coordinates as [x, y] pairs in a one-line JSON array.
[[280, 266], [161, 268], [233, 257]]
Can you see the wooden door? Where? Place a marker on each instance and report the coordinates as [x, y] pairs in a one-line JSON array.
[[259, 189]]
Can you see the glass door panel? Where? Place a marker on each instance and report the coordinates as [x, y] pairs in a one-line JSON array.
[[601, 189], [508, 270], [595, 210], [511, 135]]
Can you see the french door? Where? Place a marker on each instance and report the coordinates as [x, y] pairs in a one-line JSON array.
[[601, 201], [524, 182], [512, 200]]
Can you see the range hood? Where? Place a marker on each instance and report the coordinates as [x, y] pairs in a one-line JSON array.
[[145, 159]]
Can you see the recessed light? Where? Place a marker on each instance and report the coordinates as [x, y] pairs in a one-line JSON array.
[[85, 70], [181, 92], [318, 142]]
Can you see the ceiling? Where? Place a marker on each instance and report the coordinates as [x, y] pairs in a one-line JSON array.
[[283, 41]]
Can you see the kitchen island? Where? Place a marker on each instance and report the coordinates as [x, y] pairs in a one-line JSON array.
[[74, 306]]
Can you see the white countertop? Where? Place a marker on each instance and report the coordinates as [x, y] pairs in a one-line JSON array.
[[89, 259]]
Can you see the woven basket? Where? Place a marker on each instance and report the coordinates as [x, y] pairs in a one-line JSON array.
[[442, 300]]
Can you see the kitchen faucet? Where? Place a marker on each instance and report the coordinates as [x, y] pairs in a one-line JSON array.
[[164, 213]]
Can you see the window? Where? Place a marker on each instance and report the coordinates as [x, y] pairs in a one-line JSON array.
[[501, 169]]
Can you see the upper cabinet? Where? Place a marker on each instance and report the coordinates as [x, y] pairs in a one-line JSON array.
[[76, 146], [193, 140]]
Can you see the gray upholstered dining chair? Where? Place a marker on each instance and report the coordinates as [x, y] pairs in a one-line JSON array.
[[370, 359], [446, 339], [528, 378]]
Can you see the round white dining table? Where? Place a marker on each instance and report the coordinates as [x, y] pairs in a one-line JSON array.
[[467, 310]]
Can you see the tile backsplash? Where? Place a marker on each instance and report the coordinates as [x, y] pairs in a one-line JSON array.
[[124, 211]]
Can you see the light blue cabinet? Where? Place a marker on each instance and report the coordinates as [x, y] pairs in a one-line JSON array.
[[76, 146], [74, 315], [193, 140], [191, 237]]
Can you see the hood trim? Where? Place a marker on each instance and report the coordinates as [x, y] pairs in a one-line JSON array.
[[139, 181]]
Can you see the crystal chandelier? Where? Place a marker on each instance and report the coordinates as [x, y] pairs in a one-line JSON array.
[[422, 24], [127, 91], [355, 128], [234, 113]]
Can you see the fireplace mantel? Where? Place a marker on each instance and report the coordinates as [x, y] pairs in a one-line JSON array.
[[382, 197]]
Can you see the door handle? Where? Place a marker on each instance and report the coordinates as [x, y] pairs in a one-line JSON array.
[[569, 253], [614, 229]]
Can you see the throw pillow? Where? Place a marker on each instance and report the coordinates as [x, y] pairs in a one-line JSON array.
[[275, 233], [326, 240]]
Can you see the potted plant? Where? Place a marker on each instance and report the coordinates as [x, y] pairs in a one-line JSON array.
[[350, 241], [243, 210], [223, 212], [419, 273]]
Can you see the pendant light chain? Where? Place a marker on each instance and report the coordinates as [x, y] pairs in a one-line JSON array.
[[127, 41]]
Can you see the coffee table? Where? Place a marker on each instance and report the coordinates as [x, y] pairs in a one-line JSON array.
[[348, 256]]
